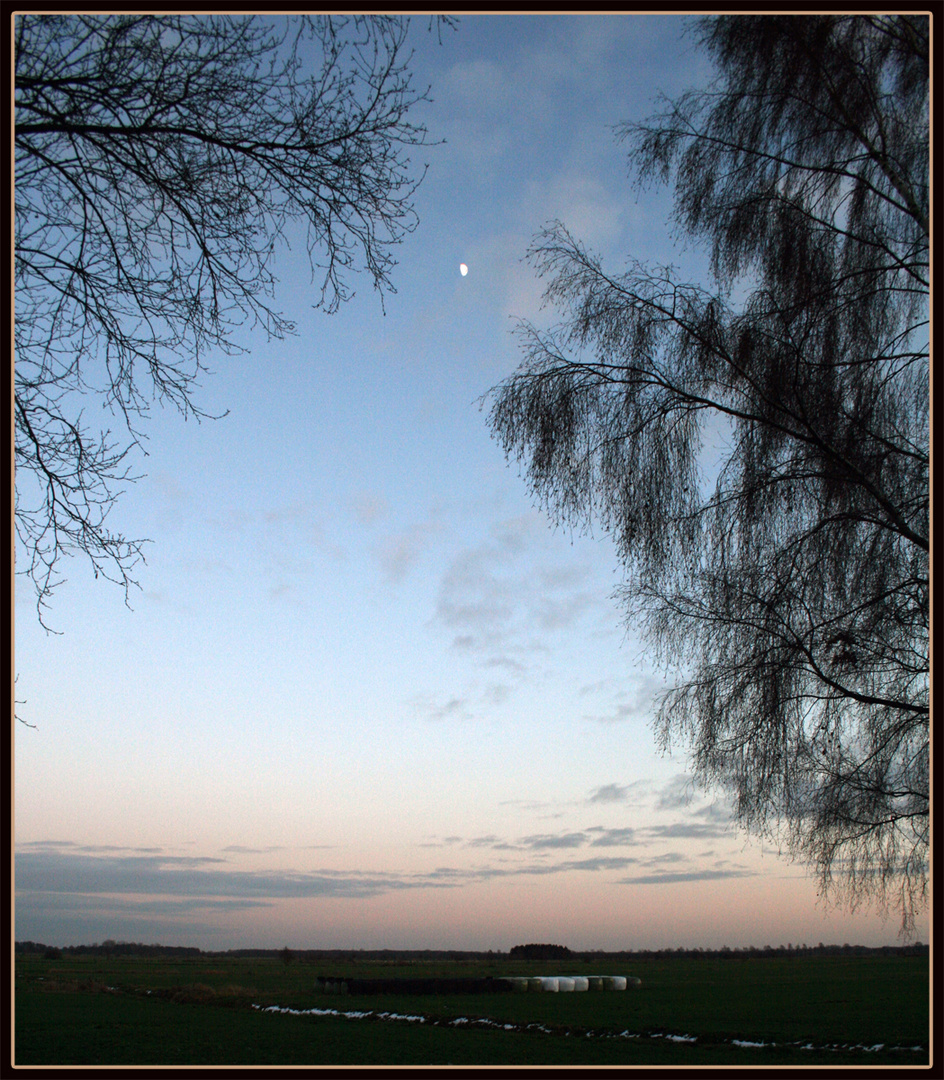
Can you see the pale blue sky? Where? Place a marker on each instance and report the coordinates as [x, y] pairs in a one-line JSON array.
[[367, 696]]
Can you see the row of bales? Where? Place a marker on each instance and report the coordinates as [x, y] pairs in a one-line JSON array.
[[547, 983], [563, 983]]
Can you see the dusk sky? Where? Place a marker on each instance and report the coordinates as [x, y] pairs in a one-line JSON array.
[[368, 696]]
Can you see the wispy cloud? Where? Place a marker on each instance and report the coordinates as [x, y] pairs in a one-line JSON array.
[[500, 597], [678, 792], [238, 849], [613, 837], [472, 704], [456, 707], [150, 896], [677, 877], [562, 840], [400, 552], [595, 836], [161, 875], [636, 699], [719, 812], [609, 793], [56, 903], [96, 849], [369, 507], [687, 831]]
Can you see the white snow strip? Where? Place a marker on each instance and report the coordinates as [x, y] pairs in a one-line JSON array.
[[625, 1034]]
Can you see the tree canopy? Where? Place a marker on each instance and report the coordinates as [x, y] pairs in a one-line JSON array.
[[158, 160], [759, 445]]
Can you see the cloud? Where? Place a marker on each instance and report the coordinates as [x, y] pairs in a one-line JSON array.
[[46, 845], [675, 878], [494, 106], [678, 792], [591, 213], [68, 873], [615, 838], [618, 715], [476, 98], [637, 793], [301, 513], [497, 693], [49, 903], [609, 793], [595, 836], [63, 893], [50, 882], [240, 850], [639, 693], [666, 857], [485, 841], [506, 662], [400, 552], [454, 708], [599, 864], [564, 840], [369, 508], [471, 705], [501, 596], [720, 812], [687, 831]]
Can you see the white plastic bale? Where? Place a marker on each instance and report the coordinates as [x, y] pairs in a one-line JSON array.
[[550, 984], [581, 982], [564, 983]]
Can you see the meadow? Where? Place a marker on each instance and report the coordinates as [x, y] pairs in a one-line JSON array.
[[794, 1010]]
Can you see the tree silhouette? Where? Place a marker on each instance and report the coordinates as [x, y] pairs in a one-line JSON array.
[[785, 574], [158, 160]]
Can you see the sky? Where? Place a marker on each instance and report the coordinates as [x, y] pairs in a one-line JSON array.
[[368, 695]]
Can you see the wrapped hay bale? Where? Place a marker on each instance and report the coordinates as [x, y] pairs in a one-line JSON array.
[[614, 982], [581, 982], [536, 983], [550, 984], [564, 983], [594, 982]]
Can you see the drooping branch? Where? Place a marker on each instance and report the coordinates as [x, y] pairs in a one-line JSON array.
[[784, 575]]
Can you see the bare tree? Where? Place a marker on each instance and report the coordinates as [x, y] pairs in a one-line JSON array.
[[785, 574], [158, 162]]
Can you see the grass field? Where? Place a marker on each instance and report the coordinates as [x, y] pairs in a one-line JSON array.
[[871, 1010]]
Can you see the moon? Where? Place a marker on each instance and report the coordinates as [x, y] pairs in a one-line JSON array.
[[463, 269]]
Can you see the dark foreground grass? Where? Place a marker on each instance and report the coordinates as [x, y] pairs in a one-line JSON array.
[[201, 1012]]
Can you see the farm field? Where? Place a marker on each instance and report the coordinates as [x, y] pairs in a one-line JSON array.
[[862, 1010]]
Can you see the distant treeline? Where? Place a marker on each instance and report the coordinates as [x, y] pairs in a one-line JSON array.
[[725, 953], [366, 956], [108, 948], [540, 952], [419, 956]]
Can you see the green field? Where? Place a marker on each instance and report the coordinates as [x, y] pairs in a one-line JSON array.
[[211, 1010]]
